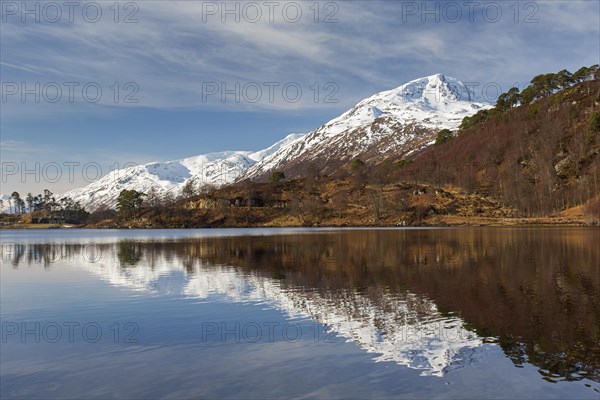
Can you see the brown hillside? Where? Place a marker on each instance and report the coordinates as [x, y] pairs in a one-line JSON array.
[[540, 158]]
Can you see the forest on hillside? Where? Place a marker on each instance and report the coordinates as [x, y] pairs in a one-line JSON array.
[[540, 156]]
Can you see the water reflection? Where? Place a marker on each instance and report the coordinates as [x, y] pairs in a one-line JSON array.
[[426, 299]]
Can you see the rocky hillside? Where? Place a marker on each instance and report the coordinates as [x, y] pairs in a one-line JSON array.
[[322, 202]]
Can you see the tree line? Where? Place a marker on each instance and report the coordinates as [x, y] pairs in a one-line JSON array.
[[541, 86], [46, 205]]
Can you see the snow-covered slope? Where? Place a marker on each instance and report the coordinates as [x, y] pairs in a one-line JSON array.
[[214, 169], [397, 121]]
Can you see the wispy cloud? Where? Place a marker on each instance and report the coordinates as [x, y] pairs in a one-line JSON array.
[[12, 145], [171, 51]]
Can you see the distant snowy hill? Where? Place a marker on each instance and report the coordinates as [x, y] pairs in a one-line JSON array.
[[394, 122], [214, 169]]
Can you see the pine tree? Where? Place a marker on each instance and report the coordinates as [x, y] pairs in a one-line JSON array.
[[443, 136], [16, 197], [129, 203]]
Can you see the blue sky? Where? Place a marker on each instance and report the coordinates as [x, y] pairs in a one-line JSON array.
[[172, 58]]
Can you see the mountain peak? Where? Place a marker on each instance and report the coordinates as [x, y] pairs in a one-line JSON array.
[[435, 101], [438, 87], [438, 76]]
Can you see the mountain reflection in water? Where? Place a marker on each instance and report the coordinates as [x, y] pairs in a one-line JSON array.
[[426, 299]]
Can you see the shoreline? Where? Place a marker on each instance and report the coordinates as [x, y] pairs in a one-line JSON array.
[[442, 223]]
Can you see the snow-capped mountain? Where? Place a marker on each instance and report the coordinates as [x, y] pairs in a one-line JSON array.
[[397, 121], [207, 169], [390, 123]]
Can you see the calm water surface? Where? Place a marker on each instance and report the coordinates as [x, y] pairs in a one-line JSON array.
[[318, 313]]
